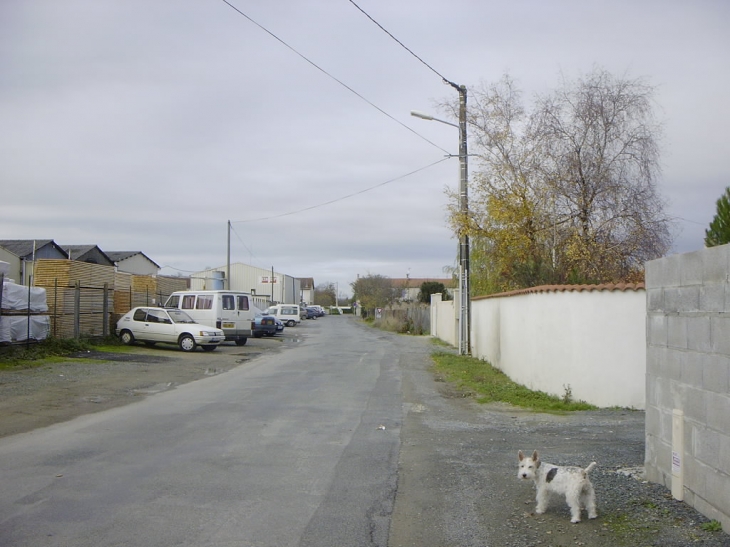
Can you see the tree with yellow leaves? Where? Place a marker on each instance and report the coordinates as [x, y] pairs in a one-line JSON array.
[[566, 193]]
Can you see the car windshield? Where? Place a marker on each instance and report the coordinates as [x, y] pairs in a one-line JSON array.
[[179, 316]]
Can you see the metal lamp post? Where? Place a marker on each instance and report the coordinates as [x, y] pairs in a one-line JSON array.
[[465, 303]]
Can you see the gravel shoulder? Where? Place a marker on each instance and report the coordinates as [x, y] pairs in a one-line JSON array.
[[458, 483], [93, 382]]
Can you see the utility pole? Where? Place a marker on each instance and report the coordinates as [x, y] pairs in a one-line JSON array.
[[465, 302], [465, 314], [228, 259]]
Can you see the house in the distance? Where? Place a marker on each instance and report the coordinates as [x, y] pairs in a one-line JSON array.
[[91, 254], [409, 287], [20, 254], [306, 290], [134, 262]]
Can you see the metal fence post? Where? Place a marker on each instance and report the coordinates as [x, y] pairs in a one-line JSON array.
[[105, 307], [77, 310]]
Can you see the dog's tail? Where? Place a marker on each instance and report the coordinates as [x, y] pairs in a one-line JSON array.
[[589, 469]]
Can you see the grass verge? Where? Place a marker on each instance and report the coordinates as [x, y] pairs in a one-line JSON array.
[[52, 350], [487, 384]]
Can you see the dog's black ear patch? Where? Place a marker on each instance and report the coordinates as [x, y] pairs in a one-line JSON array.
[[551, 474]]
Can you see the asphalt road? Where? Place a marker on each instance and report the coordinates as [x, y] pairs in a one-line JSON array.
[[340, 438], [298, 447]]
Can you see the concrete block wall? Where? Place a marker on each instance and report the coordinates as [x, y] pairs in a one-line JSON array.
[[688, 378]]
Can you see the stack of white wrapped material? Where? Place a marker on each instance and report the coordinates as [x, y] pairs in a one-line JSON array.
[[23, 314]]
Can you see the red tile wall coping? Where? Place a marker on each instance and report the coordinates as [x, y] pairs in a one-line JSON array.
[[569, 288]]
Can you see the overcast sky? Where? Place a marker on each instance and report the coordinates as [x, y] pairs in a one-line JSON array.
[[146, 125]]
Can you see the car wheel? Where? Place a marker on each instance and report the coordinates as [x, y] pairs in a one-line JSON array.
[[241, 341], [208, 348], [257, 335], [291, 323], [126, 337], [186, 342]]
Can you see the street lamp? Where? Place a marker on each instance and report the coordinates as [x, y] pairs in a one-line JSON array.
[[465, 303]]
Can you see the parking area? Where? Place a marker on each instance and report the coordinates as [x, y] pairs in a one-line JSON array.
[[95, 381]]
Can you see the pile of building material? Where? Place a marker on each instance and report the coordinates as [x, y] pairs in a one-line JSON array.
[[23, 311]]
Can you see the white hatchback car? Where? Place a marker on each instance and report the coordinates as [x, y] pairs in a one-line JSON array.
[[152, 325]]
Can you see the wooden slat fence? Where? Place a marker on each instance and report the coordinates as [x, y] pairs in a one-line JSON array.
[[87, 299]]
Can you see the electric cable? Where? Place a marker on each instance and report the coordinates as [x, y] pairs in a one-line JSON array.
[[343, 197], [323, 71]]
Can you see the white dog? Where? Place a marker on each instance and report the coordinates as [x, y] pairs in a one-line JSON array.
[[572, 482]]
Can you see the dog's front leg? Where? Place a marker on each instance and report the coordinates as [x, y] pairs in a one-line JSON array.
[[541, 498]]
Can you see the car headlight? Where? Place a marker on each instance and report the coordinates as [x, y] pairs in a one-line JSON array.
[[208, 333]]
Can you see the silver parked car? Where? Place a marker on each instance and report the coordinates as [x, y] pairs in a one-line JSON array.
[[172, 326]]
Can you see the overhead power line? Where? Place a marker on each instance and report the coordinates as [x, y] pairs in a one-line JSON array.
[[323, 71], [330, 202], [443, 78]]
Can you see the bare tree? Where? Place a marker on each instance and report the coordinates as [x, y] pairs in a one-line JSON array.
[[325, 294], [600, 163], [566, 192], [374, 291]]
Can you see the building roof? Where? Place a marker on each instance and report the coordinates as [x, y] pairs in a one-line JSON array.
[[78, 250], [623, 287], [118, 256], [24, 247], [306, 283], [416, 282]]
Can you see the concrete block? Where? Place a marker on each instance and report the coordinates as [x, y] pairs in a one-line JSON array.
[[691, 265], [695, 474], [717, 489], [716, 373], [699, 335], [720, 332], [695, 404], [689, 299], [665, 424], [673, 362], [656, 328], [718, 410], [677, 332], [655, 300], [672, 299], [723, 462], [651, 394], [713, 297], [663, 272], [691, 369], [654, 359], [705, 444], [662, 394], [652, 421], [716, 264]]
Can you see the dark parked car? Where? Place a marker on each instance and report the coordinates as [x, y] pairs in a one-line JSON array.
[[279, 325], [264, 325], [311, 313]]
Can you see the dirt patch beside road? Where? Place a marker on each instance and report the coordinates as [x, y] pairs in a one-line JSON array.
[[93, 382]]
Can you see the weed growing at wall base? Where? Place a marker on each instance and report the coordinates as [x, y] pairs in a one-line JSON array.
[[487, 384]]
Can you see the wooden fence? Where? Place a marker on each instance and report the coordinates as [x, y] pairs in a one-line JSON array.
[[87, 299]]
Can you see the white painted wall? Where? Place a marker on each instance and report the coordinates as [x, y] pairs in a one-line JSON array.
[[444, 320], [593, 341]]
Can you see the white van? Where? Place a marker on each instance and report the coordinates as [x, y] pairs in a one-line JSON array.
[[287, 313], [231, 311]]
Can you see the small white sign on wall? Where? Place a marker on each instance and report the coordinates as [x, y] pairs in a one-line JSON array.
[[676, 463]]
